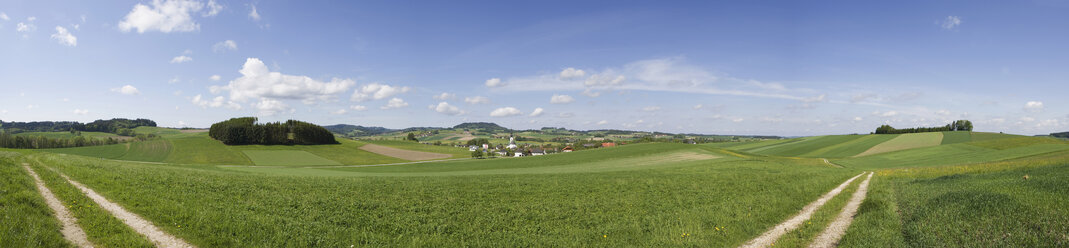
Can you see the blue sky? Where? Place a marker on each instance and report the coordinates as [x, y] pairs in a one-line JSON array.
[[753, 67]]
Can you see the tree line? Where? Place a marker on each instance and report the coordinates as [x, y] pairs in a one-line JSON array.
[[959, 125], [118, 126], [245, 131], [9, 140]]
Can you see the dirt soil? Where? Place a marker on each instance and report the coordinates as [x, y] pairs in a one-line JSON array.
[[402, 153]]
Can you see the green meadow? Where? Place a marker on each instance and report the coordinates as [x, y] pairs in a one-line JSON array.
[[963, 189]]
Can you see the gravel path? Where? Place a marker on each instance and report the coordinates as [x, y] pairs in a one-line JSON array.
[[71, 231], [835, 231], [142, 226], [766, 239]]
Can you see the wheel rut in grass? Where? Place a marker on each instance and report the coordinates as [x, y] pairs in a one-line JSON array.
[[142, 226], [71, 231], [835, 231], [769, 237]]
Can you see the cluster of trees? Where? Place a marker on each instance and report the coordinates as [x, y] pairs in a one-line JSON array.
[[959, 125], [118, 126], [8, 140], [1064, 135], [245, 131], [478, 142]]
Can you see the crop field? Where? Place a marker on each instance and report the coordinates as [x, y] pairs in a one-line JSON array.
[[806, 146], [850, 148], [924, 193], [456, 152], [286, 157], [956, 137], [905, 141]]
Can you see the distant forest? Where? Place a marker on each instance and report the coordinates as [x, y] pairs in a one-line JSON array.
[[123, 127], [959, 125], [245, 131], [118, 126]]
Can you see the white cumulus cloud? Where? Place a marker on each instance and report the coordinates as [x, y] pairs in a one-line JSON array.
[[561, 99], [444, 96], [1033, 106], [572, 73], [213, 9], [446, 108], [181, 59], [64, 37], [494, 82], [339, 112], [126, 90], [81, 111], [23, 27], [259, 82], [477, 100], [218, 101], [215, 77], [376, 91], [226, 45], [537, 112], [255, 15], [358, 107], [506, 111], [3, 16], [269, 107], [166, 16], [951, 22], [395, 103], [651, 108], [603, 122]]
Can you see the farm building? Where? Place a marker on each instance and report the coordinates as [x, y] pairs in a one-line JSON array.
[[608, 144], [567, 149]]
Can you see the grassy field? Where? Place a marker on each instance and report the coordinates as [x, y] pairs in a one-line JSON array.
[[850, 148], [925, 193], [806, 146], [956, 137], [979, 205], [27, 220], [650, 204], [457, 152], [904, 142], [284, 157]]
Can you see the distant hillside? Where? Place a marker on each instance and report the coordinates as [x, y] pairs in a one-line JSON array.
[[1064, 135], [357, 131], [485, 126], [117, 126]]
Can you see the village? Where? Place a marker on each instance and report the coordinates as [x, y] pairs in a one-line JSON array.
[[513, 150]]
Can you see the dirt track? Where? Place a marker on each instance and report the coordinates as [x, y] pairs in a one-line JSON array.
[[403, 154], [71, 231], [835, 231], [766, 239], [142, 226]]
